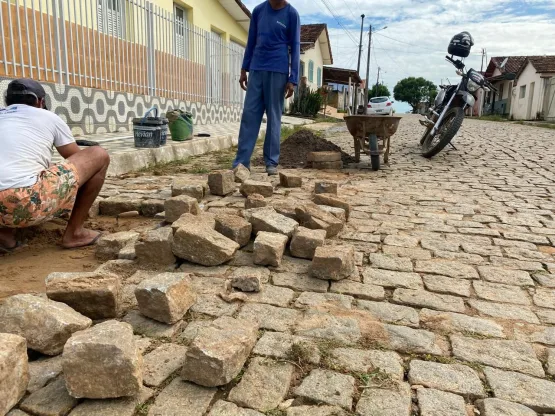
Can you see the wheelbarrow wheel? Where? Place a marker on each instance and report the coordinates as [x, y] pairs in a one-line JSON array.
[[374, 152]]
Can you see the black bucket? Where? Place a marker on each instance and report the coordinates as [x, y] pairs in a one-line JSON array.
[[150, 132]]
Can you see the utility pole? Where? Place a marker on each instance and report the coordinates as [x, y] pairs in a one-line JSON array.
[[378, 80], [368, 68], [483, 56], [355, 104]]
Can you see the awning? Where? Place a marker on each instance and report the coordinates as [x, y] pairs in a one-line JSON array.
[[238, 11], [340, 76]]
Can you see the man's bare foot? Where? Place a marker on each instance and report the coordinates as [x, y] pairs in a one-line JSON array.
[[81, 238], [7, 239]]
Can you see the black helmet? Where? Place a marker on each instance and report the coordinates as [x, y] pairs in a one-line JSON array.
[[461, 44]]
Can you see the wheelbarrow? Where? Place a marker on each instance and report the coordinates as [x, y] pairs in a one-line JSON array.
[[367, 132]]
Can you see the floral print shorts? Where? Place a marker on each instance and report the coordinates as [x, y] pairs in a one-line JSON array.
[[52, 196]]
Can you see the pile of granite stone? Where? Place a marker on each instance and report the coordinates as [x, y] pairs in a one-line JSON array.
[[77, 319]]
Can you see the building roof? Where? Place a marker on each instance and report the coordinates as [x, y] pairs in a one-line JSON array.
[[542, 65], [340, 76], [238, 11], [505, 64], [310, 34]]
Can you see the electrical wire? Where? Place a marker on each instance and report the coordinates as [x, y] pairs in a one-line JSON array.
[[407, 43], [395, 62], [325, 2]]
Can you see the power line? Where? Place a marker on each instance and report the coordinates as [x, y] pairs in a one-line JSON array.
[[396, 63], [409, 44], [347, 6], [325, 2]]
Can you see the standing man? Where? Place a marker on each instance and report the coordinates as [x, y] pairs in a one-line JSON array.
[[272, 59], [32, 190]]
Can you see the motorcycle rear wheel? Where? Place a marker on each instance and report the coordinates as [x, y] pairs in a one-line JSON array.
[[451, 124]]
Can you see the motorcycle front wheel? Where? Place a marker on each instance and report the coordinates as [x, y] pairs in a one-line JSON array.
[[451, 124]]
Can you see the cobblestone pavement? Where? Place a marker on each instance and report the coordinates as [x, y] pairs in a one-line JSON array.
[[450, 312]]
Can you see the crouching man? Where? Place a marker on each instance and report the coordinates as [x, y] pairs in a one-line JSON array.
[[32, 190]]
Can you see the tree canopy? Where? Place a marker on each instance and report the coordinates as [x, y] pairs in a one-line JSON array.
[[379, 90], [414, 91]]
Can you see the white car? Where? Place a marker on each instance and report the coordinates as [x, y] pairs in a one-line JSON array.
[[380, 106]]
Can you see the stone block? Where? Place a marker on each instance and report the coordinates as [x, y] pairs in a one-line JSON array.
[[181, 398], [454, 378], [270, 317], [497, 407], [43, 371], [255, 201], [393, 401], [249, 279], [327, 165], [447, 285], [506, 276], [436, 402], [328, 387], [535, 393], [162, 362], [338, 213], [176, 206], [165, 297], [221, 182], [182, 186], [235, 228], [358, 290], [202, 245], [305, 242], [151, 207], [383, 261], [311, 216], [223, 408], [367, 361], [218, 352], [267, 219], [286, 207], [448, 322], [155, 247], [332, 201], [125, 406], [324, 410], [44, 323], [280, 344], [241, 173], [423, 298], [96, 295], [345, 330], [333, 262], [269, 248], [504, 311], [118, 204], [128, 252], [207, 219], [389, 312], [300, 282], [392, 279], [14, 370], [264, 385], [504, 354], [149, 327], [447, 268], [109, 246], [288, 180], [323, 157], [312, 300], [250, 187], [325, 188], [103, 362], [52, 400]]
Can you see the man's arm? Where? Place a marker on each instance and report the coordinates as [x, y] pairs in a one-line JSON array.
[[68, 150], [249, 50], [295, 50]]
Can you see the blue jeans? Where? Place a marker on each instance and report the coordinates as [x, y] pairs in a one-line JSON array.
[[265, 93]]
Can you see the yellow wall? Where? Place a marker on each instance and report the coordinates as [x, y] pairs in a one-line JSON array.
[[210, 15]]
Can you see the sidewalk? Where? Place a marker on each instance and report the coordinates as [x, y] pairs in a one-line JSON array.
[[126, 158]]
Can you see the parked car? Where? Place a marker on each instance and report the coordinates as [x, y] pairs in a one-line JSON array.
[[380, 106]]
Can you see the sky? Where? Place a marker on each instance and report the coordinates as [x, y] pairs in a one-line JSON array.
[[418, 33]]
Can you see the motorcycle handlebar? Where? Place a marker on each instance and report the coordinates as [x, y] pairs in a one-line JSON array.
[[458, 64]]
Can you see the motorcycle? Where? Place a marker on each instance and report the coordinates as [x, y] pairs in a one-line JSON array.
[[446, 116]]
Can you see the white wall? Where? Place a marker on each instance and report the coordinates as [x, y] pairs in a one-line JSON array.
[[519, 108], [314, 55]]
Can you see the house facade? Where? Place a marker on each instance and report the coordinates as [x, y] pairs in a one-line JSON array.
[[524, 86], [104, 62], [342, 83], [315, 53]]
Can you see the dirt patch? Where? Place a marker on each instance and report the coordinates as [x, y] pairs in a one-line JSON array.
[[296, 147], [25, 270]]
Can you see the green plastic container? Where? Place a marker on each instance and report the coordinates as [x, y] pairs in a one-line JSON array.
[[181, 125]]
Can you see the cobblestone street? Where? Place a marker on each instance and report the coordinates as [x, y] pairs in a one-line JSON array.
[[450, 310]]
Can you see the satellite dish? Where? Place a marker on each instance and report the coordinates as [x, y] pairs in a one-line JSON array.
[[504, 63]]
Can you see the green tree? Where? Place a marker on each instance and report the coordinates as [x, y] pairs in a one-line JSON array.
[[379, 90], [414, 91]]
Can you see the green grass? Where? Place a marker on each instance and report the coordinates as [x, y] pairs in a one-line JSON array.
[[197, 169], [493, 117], [541, 125], [287, 131]]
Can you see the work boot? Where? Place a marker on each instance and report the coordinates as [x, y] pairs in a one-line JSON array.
[[271, 170]]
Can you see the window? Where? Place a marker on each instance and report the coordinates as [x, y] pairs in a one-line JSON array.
[[310, 71], [181, 32], [319, 77], [110, 17], [522, 91]]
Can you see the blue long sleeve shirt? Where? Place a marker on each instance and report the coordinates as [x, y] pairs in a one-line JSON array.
[[274, 36]]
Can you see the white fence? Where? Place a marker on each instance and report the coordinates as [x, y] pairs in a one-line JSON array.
[[120, 45]]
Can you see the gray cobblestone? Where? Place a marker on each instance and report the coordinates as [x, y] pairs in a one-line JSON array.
[[447, 285], [423, 298], [447, 268], [448, 322], [498, 292]]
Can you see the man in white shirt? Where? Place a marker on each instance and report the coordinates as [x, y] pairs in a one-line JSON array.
[[32, 189]]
